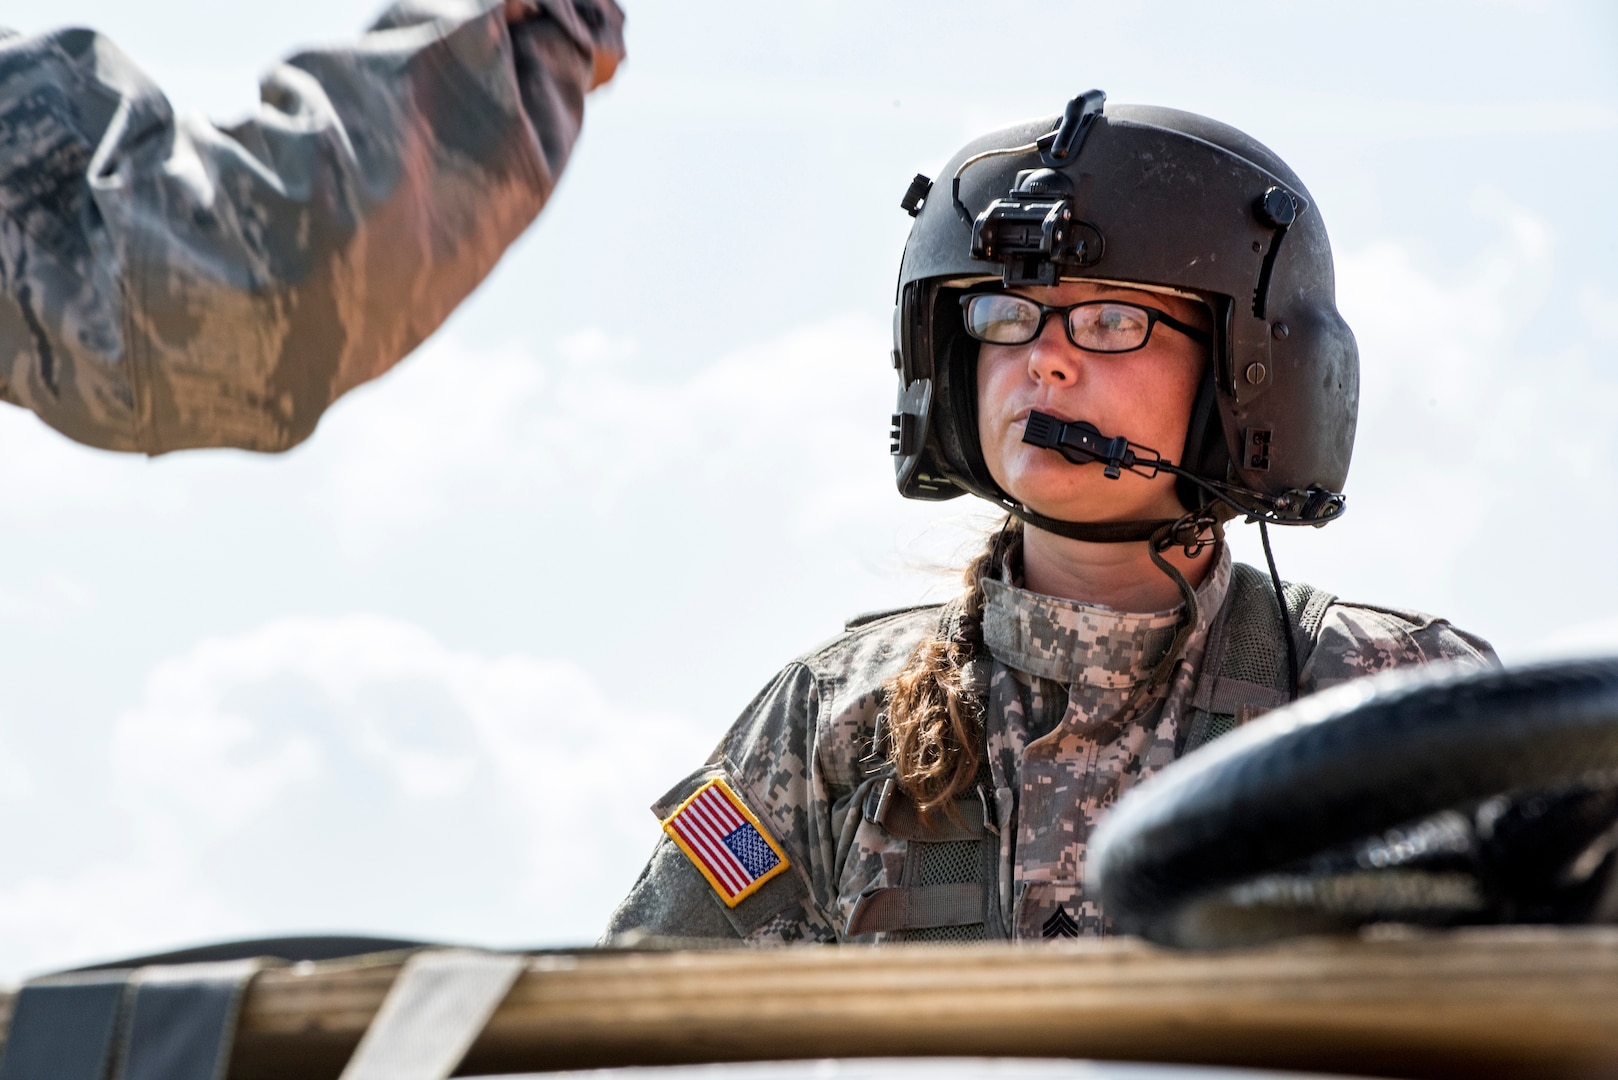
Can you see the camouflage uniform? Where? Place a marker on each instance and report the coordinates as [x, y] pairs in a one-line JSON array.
[[167, 284], [1059, 754]]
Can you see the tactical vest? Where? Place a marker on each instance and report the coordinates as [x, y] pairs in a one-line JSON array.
[[949, 887]]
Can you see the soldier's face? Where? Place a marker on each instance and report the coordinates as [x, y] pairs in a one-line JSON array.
[[1144, 396]]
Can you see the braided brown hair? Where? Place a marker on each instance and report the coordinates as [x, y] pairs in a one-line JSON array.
[[934, 730]]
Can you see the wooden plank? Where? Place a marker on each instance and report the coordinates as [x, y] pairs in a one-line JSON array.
[[1497, 1003]]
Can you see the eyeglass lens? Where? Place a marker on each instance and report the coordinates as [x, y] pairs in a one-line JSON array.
[[1100, 326]]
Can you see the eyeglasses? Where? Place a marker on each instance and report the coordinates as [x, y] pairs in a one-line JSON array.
[[1099, 326]]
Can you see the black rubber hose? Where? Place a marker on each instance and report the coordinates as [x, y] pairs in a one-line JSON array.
[[291, 949], [1342, 765]]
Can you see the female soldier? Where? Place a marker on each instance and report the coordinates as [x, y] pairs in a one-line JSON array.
[[1119, 326]]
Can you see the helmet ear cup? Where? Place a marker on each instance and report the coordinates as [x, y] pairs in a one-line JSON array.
[[917, 464], [935, 438], [966, 455]]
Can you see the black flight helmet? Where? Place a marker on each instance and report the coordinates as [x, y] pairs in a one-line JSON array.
[[1157, 197]]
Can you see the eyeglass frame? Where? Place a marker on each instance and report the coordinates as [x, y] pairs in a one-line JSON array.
[[1153, 317]]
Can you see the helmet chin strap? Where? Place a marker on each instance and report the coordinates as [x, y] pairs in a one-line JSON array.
[[1092, 532]]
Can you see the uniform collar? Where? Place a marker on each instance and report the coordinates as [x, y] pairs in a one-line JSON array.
[[1073, 642]]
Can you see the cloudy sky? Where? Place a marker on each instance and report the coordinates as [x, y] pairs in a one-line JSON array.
[[422, 675]]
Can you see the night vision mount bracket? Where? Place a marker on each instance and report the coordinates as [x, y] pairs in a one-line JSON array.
[[1034, 231]]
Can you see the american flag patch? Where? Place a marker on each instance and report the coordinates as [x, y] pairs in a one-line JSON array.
[[723, 839]]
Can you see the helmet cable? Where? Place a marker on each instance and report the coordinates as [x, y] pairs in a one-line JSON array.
[[1171, 535], [1281, 606], [955, 181], [1058, 147]]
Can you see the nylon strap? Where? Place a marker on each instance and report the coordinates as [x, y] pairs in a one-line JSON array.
[[182, 1020], [161, 1022], [916, 907], [1221, 694], [435, 1009], [63, 1027], [888, 806]]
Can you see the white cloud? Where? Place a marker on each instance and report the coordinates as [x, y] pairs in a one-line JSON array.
[[109, 909], [46, 600], [47, 474], [396, 454], [1596, 637], [17, 784], [1600, 310], [357, 772], [798, 420], [1369, 118]]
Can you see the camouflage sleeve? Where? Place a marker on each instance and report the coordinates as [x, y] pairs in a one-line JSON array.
[[1358, 639], [165, 283], [670, 902], [767, 760]]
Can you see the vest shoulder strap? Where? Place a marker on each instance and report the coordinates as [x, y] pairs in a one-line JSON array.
[[1244, 671]]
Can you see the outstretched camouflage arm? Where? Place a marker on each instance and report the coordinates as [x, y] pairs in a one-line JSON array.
[[166, 284]]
